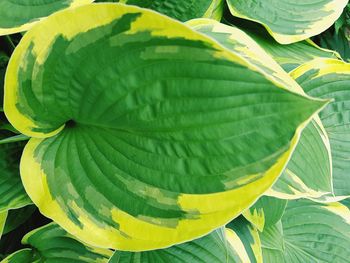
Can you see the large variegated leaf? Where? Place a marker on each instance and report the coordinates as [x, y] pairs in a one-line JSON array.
[[20, 15], [214, 248], [52, 244], [309, 232], [267, 211], [290, 21], [183, 10], [327, 78], [12, 194], [146, 133], [308, 173], [245, 240]]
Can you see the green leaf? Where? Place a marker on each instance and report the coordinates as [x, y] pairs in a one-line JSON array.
[[309, 232], [248, 236], [182, 10], [309, 172], [3, 63], [287, 56], [346, 202], [289, 21], [18, 15], [242, 44], [24, 256], [15, 138], [336, 41], [136, 108], [12, 194], [51, 243], [17, 217], [326, 78], [3, 216], [213, 248], [266, 212]]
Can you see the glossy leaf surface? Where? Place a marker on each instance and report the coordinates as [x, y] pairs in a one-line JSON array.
[[144, 150]]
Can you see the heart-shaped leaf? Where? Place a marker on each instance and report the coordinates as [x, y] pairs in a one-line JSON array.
[[147, 134]]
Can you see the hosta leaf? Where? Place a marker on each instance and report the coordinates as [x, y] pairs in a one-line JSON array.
[[3, 63], [293, 55], [267, 211], [309, 232], [327, 78], [289, 21], [346, 202], [242, 44], [12, 194], [287, 56], [244, 238], [51, 243], [20, 15], [144, 128], [17, 217], [214, 248], [183, 10], [337, 41], [308, 173], [3, 216]]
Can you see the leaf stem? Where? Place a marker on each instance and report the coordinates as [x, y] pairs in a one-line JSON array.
[[8, 38]]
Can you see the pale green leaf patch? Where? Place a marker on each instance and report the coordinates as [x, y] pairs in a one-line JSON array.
[[18, 15], [308, 232], [289, 21]]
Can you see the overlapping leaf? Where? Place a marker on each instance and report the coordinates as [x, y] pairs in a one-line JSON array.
[[288, 56], [266, 212], [244, 238], [17, 217], [326, 78], [309, 232], [290, 21], [3, 216], [12, 194], [182, 10], [52, 244], [215, 248], [308, 173], [20, 15], [146, 133]]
